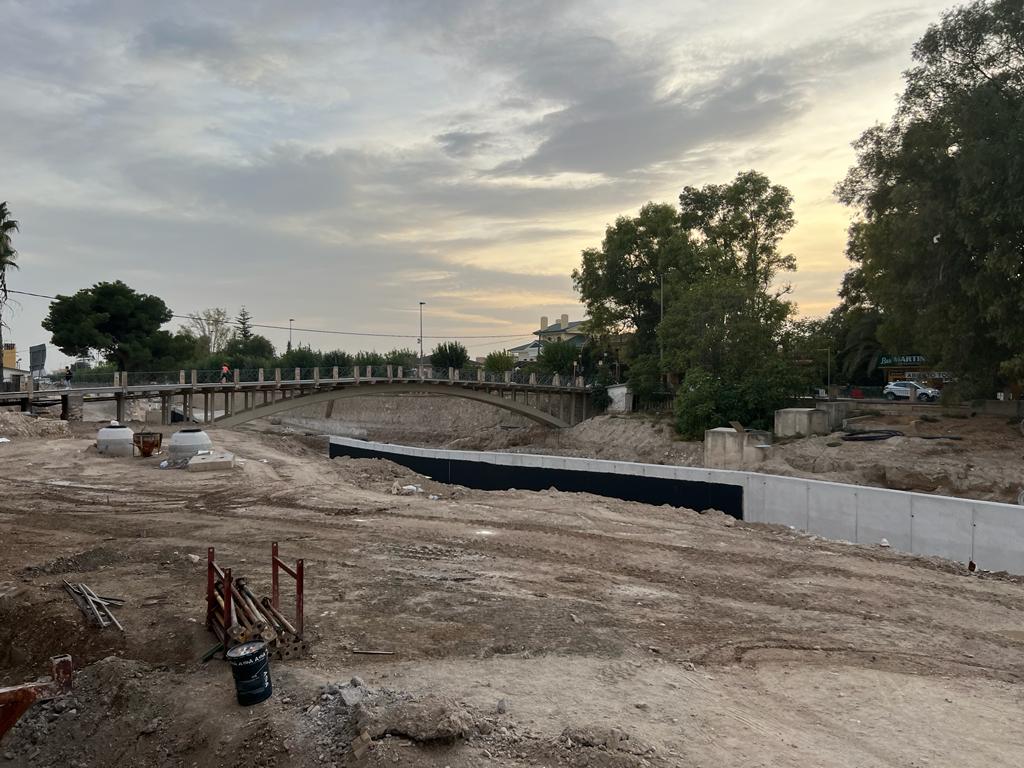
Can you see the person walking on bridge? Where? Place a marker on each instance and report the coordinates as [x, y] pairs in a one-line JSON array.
[[67, 377], [224, 373]]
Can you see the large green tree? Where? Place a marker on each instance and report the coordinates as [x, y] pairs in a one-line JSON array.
[[499, 361], [8, 261], [620, 282], [449, 354], [725, 330], [939, 242], [740, 225], [113, 319], [560, 357]]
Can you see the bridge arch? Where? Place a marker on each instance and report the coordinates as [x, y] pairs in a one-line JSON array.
[[369, 390]]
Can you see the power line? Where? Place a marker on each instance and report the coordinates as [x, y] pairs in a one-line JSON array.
[[322, 330]]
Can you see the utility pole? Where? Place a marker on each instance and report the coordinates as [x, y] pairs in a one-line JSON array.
[[290, 321], [421, 331], [661, 307], [828, 375]]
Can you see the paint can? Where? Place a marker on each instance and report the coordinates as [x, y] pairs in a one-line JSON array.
[[250, 666]]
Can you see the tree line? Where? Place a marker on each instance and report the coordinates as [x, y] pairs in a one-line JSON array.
[[126, 329], [698, 290]]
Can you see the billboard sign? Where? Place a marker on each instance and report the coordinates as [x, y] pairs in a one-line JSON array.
[[37, 358]]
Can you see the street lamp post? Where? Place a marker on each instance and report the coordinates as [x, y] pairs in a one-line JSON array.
[[421, 331], [828, 374], [290, 321]]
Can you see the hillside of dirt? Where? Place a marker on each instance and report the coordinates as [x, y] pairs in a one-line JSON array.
[[518, 629]]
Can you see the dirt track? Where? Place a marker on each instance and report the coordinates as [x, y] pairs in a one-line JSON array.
[[704, 642]]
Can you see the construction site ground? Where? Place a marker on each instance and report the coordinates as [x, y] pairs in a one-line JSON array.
[[526, 629], [984, 461]]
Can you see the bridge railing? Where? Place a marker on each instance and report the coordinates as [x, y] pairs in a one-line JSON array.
[[89, 379]]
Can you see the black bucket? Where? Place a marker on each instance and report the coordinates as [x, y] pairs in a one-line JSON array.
[[250, 666]]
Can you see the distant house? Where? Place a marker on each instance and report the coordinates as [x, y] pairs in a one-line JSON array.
[[10, 373], [563, 330], [525, 353]]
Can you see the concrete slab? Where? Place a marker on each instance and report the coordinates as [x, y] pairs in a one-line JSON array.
[[785, 501], [884, 514], [211, 462], [941, 526], [999, 536], [832, 511]]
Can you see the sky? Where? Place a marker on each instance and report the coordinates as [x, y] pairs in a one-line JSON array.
[[338, 162]]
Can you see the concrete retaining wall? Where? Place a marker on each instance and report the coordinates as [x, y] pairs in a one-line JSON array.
[[989, 533]]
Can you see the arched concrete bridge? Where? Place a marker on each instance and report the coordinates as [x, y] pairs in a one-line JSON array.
[[553, 401], [514, 400]]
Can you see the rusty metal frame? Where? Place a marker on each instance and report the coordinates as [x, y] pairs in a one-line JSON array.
[[277, 564], [15, 700], [214, 573]]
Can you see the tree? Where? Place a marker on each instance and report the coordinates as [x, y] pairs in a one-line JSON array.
[[373, 358], [741, 224], [213, 326], [499, 361], [299, 357], [406, 358], [112, 319], [620, 283], [725, 330], [938, 241], [336, 357], [244, 324], [255, 352], [8, 260], [449, 354], [560, 357]]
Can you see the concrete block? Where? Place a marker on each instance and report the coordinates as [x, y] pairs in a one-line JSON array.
[[836, 413], [941, 526], [210, 462], [884, 514], [725, 448], [800, 422]]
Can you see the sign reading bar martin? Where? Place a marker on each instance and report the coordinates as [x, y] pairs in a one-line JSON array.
[[889, 360], [37, 358]]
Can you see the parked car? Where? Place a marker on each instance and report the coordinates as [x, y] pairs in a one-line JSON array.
[[910, 390]]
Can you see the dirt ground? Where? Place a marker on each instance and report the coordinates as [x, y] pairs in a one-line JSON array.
[[528, 629], [986, 462]]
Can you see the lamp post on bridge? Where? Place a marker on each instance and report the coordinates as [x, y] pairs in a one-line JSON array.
[[421, 331]]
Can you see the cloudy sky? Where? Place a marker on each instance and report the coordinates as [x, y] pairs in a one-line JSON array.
[[338, 162]]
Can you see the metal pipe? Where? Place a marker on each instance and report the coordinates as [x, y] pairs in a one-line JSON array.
[[277, 615], [106, 608], [92, 606]]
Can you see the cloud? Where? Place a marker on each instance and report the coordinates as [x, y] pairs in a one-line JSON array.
[[344, 160], [464, 143]]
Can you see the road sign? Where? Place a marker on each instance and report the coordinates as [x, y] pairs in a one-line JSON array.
[[37, 358]]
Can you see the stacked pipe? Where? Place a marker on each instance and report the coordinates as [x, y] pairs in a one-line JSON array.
[[253, 619]]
